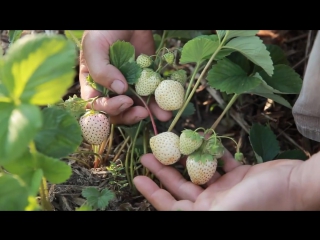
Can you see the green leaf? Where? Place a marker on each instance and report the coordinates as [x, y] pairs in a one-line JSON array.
[[157, 40], [14, 35], [253, 48], [97, 199], [198, 49], [241, 60], [54, 170], [240, 33], [186, 34], [293, 154], [38, 69], [229, 77], [277, 54], [25, 168], [76, 33], [18, 126], [221, 34], [264, 90], [13, 193], [120, 53], [188, 111], [131, 71], [84, 207], [264, 142], [60, 135], [95, 85], [284, 79]]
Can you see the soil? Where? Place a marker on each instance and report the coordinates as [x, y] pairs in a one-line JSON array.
[[252, 109]]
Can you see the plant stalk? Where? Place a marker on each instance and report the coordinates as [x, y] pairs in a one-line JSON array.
[[175, 120], [233, 99]]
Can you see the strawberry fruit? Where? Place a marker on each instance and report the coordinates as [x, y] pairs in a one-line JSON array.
[[148, 82], [144, 61], [214, 147], [179, 76], [165, 147], [95, 127], [169, 95], [190, 141], [201, 167], [169, 57]]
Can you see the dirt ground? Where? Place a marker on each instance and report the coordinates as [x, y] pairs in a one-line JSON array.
[[296, 44]]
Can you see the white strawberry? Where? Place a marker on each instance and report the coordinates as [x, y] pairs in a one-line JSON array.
[[165, 147], [201, 167], [190, 141], [144, 61], [169, 57], [95, 127], [169, 95], [148, 82], [179, 76]]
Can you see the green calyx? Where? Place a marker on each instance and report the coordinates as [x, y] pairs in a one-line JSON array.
[[238, 156], [199, 156], [194, 136]]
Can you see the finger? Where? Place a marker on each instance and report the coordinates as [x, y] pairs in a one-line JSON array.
[[159, 113], [171, 179], [95, 55], [229, 163], [161, 199], [131, 116], [143, 42]]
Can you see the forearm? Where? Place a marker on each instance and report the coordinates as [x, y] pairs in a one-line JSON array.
[[305, 182]]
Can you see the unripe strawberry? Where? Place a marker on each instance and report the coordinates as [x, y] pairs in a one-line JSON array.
[[169, 95], [144, 61], [214, 147], [165, 147], [190, 141], [168, 57], [147, 83], [179, 76], [201, 167], [95, 127]]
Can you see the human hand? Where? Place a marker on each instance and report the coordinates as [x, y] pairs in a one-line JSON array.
[[94, 59], [267, 186]]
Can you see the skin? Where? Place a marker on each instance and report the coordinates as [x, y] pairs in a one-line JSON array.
[[94, 59], [275, 185]]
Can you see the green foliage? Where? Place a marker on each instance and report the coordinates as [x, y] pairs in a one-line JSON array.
[[264, 143], [122, 56], [60, 134], [98, 199], [14, 35]]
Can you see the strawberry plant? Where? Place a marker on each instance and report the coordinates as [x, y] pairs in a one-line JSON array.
[[38, 128]]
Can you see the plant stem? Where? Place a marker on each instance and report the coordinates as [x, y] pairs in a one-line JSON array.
[[149, 112], [121, 148], [110, 140], [233, 99], [191, 80], [175, 120], [127, 165], [162, 40], [45, 204]]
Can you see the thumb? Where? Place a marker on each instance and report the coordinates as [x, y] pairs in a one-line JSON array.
[[95, 55]]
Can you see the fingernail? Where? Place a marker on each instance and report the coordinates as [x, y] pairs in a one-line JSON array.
[[117, 86]]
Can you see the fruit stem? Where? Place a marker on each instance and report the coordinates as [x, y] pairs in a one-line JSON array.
[[191, 80], [149, 112], [162, 67], [231, 102], [175, 120], [164, 35]]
